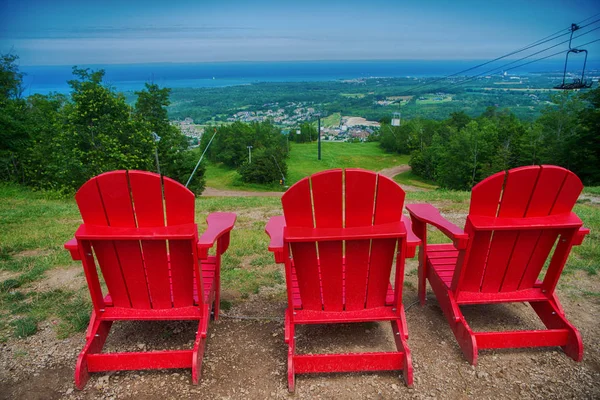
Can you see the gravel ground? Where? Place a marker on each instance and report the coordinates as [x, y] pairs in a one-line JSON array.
[[246, 359]]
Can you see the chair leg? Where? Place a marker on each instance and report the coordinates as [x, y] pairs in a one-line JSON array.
[[96, 336], [552, 315], [217, 305], [291, 341], [462, 332], [402, 346], [422, 285], [466, 339], [198, 354]]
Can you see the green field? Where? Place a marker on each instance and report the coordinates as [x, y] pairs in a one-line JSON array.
[[408, 178], [303, 162], [332, 120], [34, 226]]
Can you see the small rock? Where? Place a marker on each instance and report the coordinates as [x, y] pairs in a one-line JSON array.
[[69, 391]]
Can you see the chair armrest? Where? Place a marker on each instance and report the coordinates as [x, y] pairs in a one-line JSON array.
[[274, 229], [561, 221], [580, 235], [426, 213], [73, 248], [100, 232], [383, 231], [412, 241], [219, 224]]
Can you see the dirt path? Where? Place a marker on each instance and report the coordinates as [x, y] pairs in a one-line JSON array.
[[392, 172]]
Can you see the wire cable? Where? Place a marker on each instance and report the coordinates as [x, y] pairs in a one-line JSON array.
[[517, 66], [523, 58], [527, 47]]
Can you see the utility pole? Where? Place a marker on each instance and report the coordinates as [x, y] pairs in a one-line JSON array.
[[249, 154], [156, 140], [319, 133]]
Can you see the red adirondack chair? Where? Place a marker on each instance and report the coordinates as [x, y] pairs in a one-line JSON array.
[[153, 264], [515, 219], [337, 238]]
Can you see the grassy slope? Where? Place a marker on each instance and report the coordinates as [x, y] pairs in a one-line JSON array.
[[303, 162], [409, 178], [33, 229]]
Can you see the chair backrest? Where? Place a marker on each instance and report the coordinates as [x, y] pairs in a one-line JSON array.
[[141, 273], [511, 260], [343, 275]]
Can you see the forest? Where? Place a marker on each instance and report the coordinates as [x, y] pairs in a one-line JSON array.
[[58, 142], [460, 151]]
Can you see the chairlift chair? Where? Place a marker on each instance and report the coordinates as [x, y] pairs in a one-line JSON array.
[[577, 83]]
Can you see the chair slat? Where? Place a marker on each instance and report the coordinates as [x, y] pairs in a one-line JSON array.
[[146, 192], [485, 196], [381, 260], [519, 260], [182, 270], [359, 199], [114, 189], [515, 199], [328, 208], [297, 205], [109, 262], [179, 203], [357, 267], [90, 203], [155, 258], [546, 191], [307, 270]]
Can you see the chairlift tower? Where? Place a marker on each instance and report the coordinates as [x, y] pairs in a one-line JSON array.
[[396, 118]]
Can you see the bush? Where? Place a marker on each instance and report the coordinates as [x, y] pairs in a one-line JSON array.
[[265, 168]]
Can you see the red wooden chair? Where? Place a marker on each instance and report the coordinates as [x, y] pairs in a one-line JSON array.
[[153, 264], [514, 221], [338, 238]]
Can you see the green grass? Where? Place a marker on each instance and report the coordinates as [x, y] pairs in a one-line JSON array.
[[593, 190], [332, 120], [303, 158], [303, 162], [34, 226], [408, 178]]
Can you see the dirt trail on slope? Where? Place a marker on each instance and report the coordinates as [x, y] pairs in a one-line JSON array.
[[389, 172], [212, 192]]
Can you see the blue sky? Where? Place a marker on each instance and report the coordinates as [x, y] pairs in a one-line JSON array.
[[129, 31]]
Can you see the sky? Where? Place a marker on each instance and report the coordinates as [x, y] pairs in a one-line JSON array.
[[130, 31]]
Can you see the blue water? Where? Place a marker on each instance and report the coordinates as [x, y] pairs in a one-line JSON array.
[[130, 77]]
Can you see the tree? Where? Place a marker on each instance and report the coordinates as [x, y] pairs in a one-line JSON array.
[[267, 167], [175, 160], [13, 132]]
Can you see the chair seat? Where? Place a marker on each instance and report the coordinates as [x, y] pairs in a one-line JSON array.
[[441, 258], [389, 298]]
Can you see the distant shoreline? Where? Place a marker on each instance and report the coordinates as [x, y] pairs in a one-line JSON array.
[[131, 77]]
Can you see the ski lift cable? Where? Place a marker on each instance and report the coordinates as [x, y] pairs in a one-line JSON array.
[[539, 42], [520, 65], [495, 69], [201, 157]]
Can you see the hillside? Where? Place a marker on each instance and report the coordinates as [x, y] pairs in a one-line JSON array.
[[303, 162]]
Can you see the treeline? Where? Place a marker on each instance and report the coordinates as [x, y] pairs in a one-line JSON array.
[[263, 162], [58, 142], [460, 151]]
